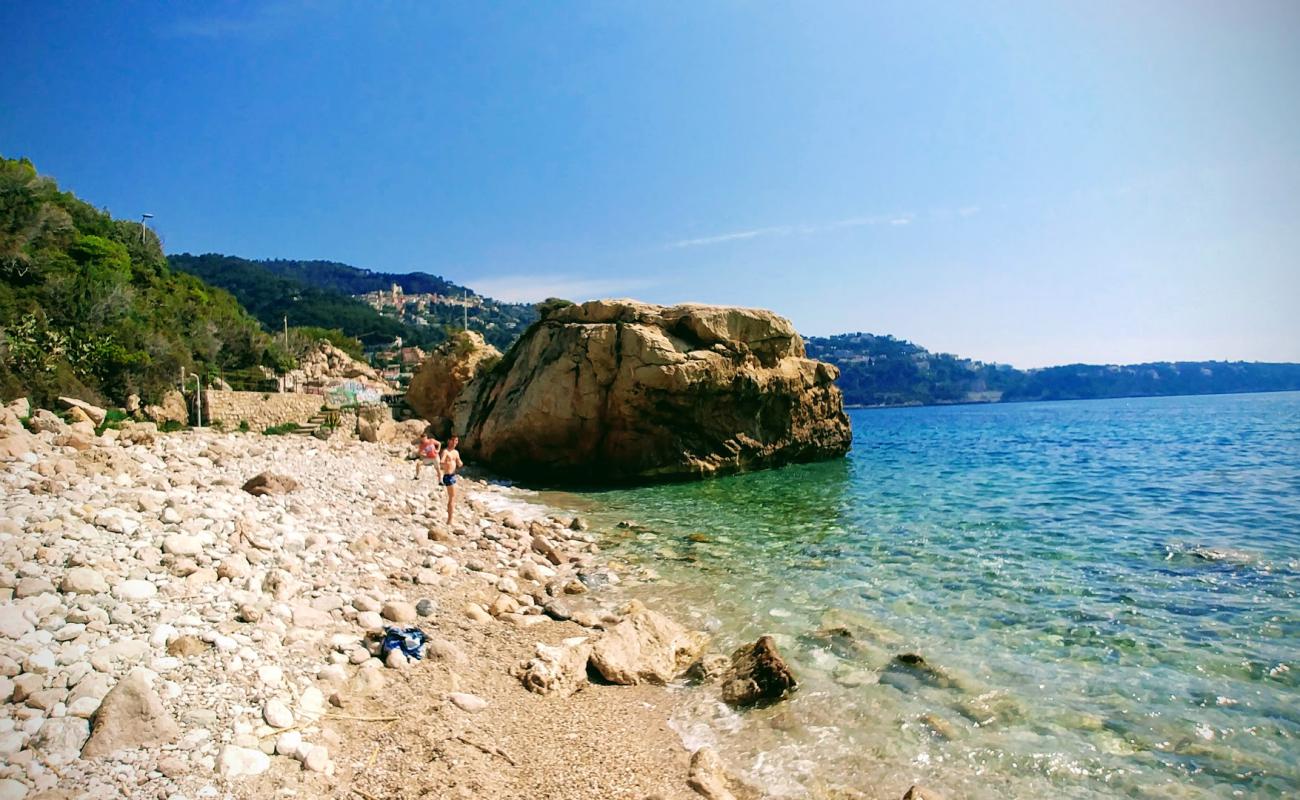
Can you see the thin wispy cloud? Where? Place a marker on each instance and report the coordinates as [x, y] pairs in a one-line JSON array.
[[806, 229], [264, 20], [534, 288]]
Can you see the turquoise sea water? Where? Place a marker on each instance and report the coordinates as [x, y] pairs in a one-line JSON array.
[[1106, 590]]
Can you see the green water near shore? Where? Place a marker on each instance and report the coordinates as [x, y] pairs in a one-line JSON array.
[[1106, 590]]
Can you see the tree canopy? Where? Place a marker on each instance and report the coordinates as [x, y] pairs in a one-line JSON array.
[[89, 306]]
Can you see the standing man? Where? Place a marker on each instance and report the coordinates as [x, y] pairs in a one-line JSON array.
[[450, 462]]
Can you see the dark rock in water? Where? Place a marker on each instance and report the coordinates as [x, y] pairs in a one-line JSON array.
[[269, 483], [919, 793], [627, 523], [616, 391], [425, 607], [577, 524], [913, 665], [700, 538], [757, 673]]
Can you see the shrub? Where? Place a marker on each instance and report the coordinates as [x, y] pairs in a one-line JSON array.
[[280, 430], [243, 426], [112, 419]]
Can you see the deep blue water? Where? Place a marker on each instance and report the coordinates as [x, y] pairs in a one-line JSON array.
[[1107, 591]]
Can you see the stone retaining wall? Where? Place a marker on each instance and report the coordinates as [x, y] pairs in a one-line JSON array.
[[260, 409]]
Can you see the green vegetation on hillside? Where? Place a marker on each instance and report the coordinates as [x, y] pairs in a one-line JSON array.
[[884, 371], [320, 293], [89, 306]]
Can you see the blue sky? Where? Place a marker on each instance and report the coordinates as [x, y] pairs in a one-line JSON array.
[[1032, 183]]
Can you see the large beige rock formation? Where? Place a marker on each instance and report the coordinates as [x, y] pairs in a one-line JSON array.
[[618, 391], [441, 377]]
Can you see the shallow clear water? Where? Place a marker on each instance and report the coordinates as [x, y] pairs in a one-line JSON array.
[[1107, 591]]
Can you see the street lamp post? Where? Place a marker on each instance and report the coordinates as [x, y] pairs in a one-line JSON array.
[[143, 226]]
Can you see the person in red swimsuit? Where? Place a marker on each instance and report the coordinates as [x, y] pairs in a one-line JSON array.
[[426, 453]]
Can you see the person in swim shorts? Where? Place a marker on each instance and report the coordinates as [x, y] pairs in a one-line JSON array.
[[426, 453], [450, 462]]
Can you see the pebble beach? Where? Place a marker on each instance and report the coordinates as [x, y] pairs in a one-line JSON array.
[[165, 633]]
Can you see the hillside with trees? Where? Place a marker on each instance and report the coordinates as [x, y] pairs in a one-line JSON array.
[[322, 293], [89, 306], [884, 371]]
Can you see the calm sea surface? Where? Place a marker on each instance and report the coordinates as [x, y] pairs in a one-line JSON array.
[[1106, 593]]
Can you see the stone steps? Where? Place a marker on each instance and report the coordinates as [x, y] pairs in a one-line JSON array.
[[312, 425]]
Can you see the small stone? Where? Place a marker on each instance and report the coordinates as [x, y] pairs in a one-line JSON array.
[[395, 659], [237, 762], [172, 767], [31, 587], [504, 604], [287, 743], [39, 662], [270, 675], [134, 590], [186, 646], [62, 738], [370, 621], [277, 714], [400, 612], [13, 624], [467, 702], [317, 759], [11, 789], [476, 613], [179, 544], [425, 607], [250, 613], [83, 580]]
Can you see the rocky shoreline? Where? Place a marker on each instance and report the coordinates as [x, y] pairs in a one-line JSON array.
[[166, 632]]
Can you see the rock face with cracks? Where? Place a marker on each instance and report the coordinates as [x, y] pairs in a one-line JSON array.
[[441, 377], [621, 391]]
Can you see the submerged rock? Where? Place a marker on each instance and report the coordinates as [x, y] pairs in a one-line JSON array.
[[757, 673], [621, 391], [710, 779]]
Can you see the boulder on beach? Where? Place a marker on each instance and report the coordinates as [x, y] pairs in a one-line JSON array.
[[269, 483], [445, 373], [757, 674], [646, 647], [173, 408], [94, 413], [622, 391], [558, 670], [132, 715]]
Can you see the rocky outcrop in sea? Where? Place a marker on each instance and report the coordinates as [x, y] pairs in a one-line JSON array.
[[621, 391]]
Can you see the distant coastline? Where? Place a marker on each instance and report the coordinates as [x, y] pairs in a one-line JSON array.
[[878, 371]]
